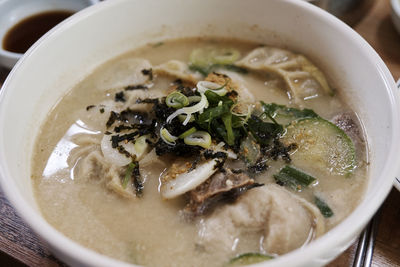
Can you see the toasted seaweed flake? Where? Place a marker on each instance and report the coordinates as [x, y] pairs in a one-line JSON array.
[[148, 72], [259, 167], [135, 87], [120, 97], [102, 110], [113, 117], [147, 101], [89, 107], [137, 181], [116, 139]]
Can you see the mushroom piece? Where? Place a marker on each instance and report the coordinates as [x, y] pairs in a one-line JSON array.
[[223, 185]]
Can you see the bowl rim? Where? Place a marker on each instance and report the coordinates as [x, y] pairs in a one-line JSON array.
[[81, 254]]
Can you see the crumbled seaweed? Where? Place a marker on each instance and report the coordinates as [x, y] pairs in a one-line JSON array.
[[123, 151], [116, 139], [120, 97], [102, 110], [135, 87], [137, 181], [148, 72], [89, 107], [220, 164], [278, 150], [120, 128], [186, 90], [195, 162], [128, 116], [259, 167], [162, 111], [107, 133], [209, 154], [180, 149], [147, 101], [113, 117], [232, 94]]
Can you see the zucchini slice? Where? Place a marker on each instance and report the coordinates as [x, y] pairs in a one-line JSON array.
[[323, 144], [249, 258]]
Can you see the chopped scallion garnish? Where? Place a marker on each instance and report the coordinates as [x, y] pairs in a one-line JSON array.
[[293, 178], [199, 138], [176, 100], [323, 207], [187, 133]]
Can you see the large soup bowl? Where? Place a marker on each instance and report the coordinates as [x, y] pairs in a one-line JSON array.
[[76, 47]]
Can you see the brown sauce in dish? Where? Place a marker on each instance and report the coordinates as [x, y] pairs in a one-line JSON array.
[[26, 32]]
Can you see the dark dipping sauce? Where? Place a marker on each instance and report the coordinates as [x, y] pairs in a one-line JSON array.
[[26, 32]]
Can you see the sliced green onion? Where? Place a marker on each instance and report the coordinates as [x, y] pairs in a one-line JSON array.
[[176, 100], [128, 174], [204, 86], [225, 56], [182, 118], [201, 56], [323, 207], [187, 133], [208, 56], [199, 107], [199, 138], [194, 98], [294, 178], [167, 137]]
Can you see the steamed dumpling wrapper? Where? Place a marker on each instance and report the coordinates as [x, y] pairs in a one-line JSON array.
[[302, 78], [282, 220]]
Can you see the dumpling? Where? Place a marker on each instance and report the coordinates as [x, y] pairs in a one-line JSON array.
[[281, 221], [177, 69], [303, 79], [122, 73]]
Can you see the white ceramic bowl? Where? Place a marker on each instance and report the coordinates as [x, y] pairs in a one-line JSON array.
[[80, 44], [12, 12], [396, 14]]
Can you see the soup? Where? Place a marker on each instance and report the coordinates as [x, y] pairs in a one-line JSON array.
[[200, 152]]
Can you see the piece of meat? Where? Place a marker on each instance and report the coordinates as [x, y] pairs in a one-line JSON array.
[[222, 185], [270, 218]]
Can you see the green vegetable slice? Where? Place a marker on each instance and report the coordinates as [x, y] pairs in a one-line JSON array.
[[188, 132], [262, 131], [198, 138], [293, 178], [207, 56], [205, 60], [176, 100], [322, 143], [323, 207], [284, 115], [249, 258], [128, 174]]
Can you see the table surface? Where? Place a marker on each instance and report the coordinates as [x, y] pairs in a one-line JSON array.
[[19, 246]]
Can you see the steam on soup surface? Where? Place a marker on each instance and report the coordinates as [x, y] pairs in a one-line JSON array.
[[200, 152]]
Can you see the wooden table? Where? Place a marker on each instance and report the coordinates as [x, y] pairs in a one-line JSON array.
[[19, 246]]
